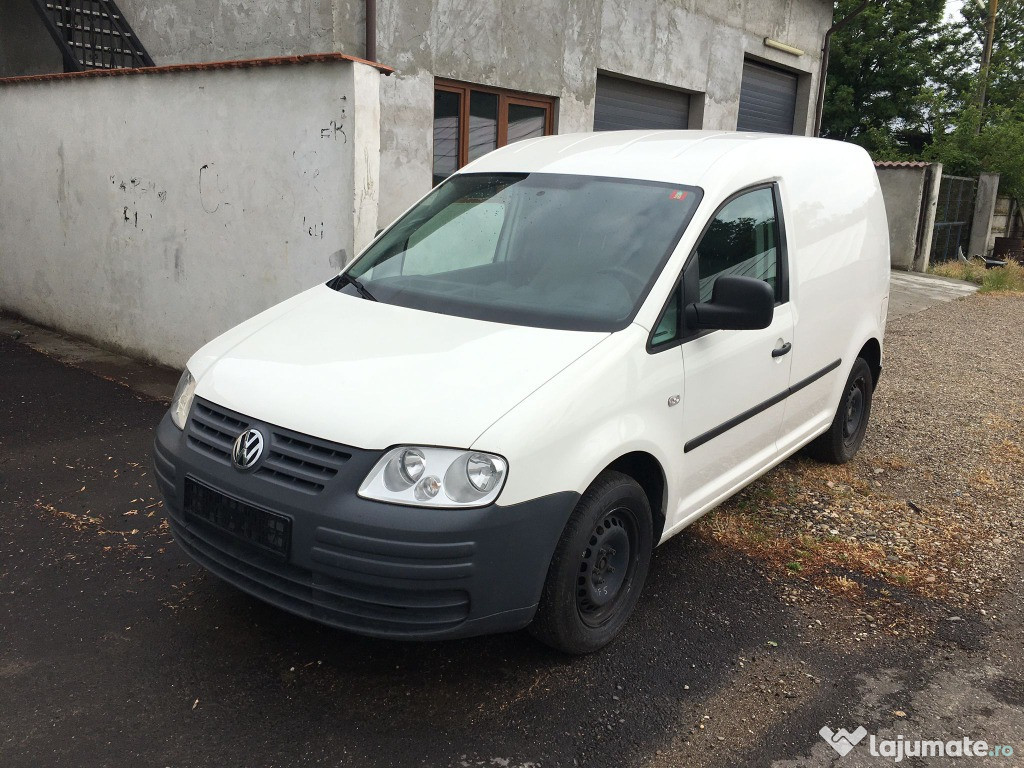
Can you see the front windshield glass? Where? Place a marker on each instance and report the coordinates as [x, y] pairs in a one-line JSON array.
[[549, 250]]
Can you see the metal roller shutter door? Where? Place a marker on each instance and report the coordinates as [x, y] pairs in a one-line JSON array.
[[767, 99], [623, 105]]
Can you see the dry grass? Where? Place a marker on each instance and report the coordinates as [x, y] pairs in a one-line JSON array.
[[1000, 279]]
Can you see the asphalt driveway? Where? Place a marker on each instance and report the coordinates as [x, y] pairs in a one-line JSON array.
[[116, 650]]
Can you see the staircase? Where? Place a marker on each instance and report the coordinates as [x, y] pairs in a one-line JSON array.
[[92, 34]]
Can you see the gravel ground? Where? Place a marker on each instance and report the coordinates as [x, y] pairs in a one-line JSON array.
[[931, 504]]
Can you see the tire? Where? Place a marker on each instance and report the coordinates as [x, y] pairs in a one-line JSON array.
[[840, 443], [598, 568]]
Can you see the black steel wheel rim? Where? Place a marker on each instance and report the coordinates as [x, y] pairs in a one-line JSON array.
[[606, 566], [855, 402]]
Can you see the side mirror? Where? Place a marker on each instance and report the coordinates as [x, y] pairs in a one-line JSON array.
[[737, 303]]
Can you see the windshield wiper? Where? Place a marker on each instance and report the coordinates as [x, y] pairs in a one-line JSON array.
[[346, 278]]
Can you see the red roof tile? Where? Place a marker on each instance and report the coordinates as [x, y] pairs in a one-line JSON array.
[[274, 61], [901, 164]]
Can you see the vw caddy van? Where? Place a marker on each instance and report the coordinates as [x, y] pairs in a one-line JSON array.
[[559, 358]]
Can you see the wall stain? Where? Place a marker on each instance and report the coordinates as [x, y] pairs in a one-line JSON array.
[[62, 190], [338, 258]]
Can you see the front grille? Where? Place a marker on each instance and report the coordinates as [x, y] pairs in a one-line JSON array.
[[291, 460], [213, 431], [301, 463]]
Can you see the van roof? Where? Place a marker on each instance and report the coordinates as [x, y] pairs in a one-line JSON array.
[[680, 157]]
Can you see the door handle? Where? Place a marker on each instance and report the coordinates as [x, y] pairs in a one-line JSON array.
[[783, 350]]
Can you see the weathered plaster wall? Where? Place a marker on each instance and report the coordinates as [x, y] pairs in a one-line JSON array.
[[902, 190], [153, 212], [26, 48], [549, 47], [556, 47], [700, 47], [188, 31], [910, 194], [982, 239]]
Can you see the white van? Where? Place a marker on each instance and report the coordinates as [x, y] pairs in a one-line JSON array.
[[560, 357]]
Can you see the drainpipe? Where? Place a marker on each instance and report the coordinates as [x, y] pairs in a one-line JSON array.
[[823, 70], [371, 30]]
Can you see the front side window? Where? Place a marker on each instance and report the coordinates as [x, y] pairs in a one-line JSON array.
[[470, 121], [548, 250], [743, 239]]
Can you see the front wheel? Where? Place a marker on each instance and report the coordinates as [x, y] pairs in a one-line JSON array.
[[598, 568], [844, 436]]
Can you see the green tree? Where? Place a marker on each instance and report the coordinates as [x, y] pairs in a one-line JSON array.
[[877, 89], [1006, 70], [969, 140], [974, 145], [904, 84]]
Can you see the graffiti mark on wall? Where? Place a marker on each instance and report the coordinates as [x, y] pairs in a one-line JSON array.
[[314, 230], [211, 192], [137, 197]]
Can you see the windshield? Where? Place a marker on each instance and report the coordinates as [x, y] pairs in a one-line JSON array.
[[548, 250]]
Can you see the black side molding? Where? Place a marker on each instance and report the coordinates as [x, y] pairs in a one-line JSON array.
[[750, 413]]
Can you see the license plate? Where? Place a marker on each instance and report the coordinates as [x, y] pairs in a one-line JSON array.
[[266, 530]]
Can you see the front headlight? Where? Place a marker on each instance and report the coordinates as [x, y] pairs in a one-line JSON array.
[[182, 400], [420, 476]]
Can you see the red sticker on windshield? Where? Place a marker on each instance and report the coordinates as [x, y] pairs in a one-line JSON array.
[[678, 194]]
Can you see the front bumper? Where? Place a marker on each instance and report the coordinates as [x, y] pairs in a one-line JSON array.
[[369, 567]]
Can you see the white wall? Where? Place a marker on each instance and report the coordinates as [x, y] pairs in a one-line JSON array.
[[152, 212]]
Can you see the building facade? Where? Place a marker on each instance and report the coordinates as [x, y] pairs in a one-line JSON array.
[[471, 75]]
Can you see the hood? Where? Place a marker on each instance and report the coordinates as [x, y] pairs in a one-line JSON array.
[[373, 375]]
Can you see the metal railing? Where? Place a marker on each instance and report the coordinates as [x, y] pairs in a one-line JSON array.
[[92, 34]]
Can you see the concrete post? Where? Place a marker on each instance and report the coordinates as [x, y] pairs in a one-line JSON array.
[[929, 203], [984, 209]]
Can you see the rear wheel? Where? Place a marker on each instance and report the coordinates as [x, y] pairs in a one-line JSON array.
[[844, 436], [598, 568]]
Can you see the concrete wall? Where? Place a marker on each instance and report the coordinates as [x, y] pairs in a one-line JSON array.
[[910, 193], [984, 211], [152, 212], [1007, 220], [26, 48], [902, 190], [549, 47], [556, 47]]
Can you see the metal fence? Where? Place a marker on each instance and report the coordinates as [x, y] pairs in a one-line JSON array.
[[953, 217]]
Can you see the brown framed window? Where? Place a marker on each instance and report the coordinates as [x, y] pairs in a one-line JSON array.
[[471, 120]]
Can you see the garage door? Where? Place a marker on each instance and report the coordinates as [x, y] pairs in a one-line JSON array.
[[623, 104], [767, 99]]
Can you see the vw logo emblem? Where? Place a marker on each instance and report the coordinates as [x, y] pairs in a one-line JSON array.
[[247, 449]]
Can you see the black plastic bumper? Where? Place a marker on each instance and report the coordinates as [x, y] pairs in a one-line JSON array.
[[368, 567]]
